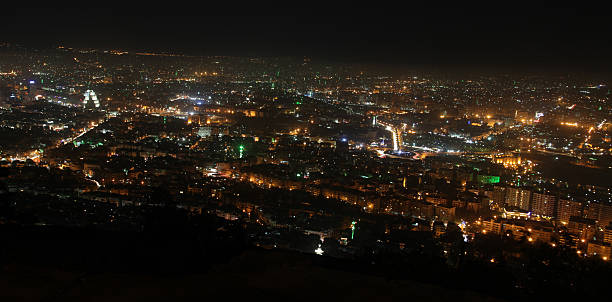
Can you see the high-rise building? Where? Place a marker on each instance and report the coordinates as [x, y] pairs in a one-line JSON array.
[[568, 208], [543, 204], [600, 212], [607, 234], [518, 198], [583, 227], [499, 196]]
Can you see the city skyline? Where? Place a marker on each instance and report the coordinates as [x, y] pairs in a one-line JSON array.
[[344, 158]]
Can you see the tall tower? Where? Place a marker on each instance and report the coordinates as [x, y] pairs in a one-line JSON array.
[[91, 99]]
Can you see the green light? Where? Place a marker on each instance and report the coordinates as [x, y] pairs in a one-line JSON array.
[[488, 179], [353, 229]]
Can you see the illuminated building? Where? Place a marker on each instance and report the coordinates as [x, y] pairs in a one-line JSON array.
[[516, 214], [422, 209], [543, 204], [601, 249], [492, 226], [444, 213], [498, 196], [436, 200], [607, 234], [488, 179], [438, 229], [540, 233], [601, 213], [568, 208], [90, 100], [583, 227], [508, 161], [518, 198], [518, 229], [205, 131]]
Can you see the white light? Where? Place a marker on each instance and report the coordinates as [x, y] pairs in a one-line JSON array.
[[319, 251]]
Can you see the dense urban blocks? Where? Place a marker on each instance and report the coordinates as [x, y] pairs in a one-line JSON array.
[[134, 173]]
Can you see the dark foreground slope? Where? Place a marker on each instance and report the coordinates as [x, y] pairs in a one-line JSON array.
[[254, 275], [82, 264]]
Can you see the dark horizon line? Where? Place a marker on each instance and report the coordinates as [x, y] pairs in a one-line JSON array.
[[508, 66]]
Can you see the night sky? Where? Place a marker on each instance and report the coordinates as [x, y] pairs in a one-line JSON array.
[[573, 43]]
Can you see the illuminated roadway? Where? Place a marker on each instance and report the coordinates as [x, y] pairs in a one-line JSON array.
[[396, 134]]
